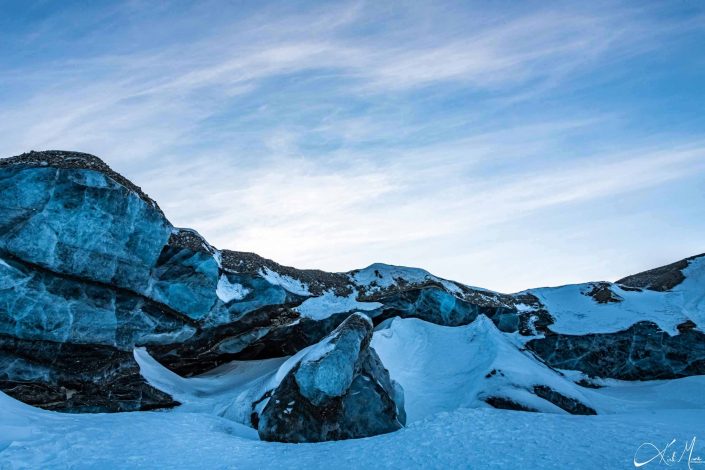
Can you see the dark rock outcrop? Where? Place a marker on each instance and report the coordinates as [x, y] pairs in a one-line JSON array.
[[659, 279], [436, 305], [339, 389], [569, 404], [603, 294]]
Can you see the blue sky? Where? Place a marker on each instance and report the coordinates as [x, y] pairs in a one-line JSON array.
[[502, 144]]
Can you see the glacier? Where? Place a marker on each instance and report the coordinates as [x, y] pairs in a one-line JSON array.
[[137, 336]]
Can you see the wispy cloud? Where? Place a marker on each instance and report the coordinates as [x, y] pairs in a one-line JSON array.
[[335, 135]]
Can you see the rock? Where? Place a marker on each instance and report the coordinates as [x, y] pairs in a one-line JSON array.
[[569, 404], [75, 377], [659, 279], [317, 281], [504, 403], [338, 389], [602, 293]]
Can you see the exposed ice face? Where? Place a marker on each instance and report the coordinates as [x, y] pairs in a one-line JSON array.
[[186, 281], [39, 305], [82, 223]]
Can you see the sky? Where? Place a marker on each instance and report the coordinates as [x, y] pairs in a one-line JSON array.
[[502, 144]]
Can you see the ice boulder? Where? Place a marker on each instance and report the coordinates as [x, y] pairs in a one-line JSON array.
[[335, 389], [69, 213]]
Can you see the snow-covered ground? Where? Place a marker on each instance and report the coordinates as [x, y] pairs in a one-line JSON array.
[[444, 373], [464, 438]]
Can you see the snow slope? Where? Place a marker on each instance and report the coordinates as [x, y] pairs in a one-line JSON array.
[[576, 313]]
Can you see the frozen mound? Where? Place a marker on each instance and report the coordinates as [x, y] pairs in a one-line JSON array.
[[444, 368]]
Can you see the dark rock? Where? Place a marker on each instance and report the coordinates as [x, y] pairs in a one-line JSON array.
[[603, 294], [588, 384], [191, 240], [660, 279], [504, 403], [686, 326], [75, 377], [338, 390], [571, 405], [316, 280]]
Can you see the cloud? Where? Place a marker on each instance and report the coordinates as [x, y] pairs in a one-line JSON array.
[[334, 135]]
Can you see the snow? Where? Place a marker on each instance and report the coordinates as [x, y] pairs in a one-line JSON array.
[[450, 367], [227, 391], [287, 282], [464, 438], [451, 364], [227, 291], [579, 314], [442, 370], [328, 303]]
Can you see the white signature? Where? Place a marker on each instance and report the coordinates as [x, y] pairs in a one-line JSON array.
[[670, 454]]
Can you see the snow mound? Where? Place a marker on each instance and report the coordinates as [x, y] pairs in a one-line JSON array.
[[444, 368], [227, 391]]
